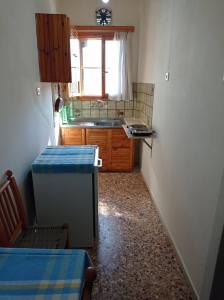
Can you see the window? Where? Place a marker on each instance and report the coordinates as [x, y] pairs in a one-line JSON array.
[[99, 62], [93, 67]]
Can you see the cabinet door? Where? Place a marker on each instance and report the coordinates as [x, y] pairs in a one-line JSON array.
[[121, 159], [122, 152], [101, 138], [53, 42], [43, 45], [120, 139], [73, 136]]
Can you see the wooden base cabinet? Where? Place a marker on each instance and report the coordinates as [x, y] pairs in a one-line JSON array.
[[122, 151], [100, 137], [115, 148], [121, 159]]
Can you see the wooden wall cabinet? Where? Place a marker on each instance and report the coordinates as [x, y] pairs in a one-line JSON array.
[[115, 148], [53, 42]]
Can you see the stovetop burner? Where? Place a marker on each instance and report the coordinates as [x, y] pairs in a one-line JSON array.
[[140, 130]]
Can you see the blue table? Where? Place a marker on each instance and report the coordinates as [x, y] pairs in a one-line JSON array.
[[42, 274]]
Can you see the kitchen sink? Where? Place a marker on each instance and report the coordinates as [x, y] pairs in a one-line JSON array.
[[95, 122], [109, 122]]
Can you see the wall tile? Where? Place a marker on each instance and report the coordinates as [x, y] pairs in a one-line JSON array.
[[138, 106], [119, 113], [128, 104], [103, 113], [85, 104], [111, 104], [139, 87], [151, 100], [86, 113], [93, 104], [147, 99], [111, 113], [143, 105], [77, 104], [94, 113], [141, 97], [150, 89], [147, 110], [134, 87], [120, 104], [135, 105], [128, 113], [77, 113], [137, 114], [134, 95]]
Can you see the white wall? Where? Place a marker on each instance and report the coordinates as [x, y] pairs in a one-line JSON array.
[[26, 121], [125, 12], [184, 174]]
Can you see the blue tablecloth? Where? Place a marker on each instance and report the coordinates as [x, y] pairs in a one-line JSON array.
[[60, 159], [69, 150], [42, 274]]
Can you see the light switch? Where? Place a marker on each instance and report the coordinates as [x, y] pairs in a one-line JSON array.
[[38, 91], [167, 76]]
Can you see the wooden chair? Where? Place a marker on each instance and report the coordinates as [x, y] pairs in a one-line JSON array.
[[14, 231]]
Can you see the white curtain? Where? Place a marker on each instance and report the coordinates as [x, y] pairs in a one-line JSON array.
[[120, 73]]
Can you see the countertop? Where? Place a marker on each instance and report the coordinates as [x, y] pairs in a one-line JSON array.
[[95, 123], [89, 123]]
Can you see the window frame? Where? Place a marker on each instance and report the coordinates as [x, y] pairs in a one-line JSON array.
[[103, 33], [96, 36]]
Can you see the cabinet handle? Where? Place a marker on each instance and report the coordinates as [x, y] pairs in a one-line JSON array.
[[100, 163]]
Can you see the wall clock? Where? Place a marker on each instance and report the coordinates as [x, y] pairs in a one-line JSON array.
[[103, 16]]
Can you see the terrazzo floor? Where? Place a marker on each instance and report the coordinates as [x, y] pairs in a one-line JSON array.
[[134, 257]]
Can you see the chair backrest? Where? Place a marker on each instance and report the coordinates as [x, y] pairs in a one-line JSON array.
[[12, 213]]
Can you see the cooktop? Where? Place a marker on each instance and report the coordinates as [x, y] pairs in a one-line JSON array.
[[139, 130]]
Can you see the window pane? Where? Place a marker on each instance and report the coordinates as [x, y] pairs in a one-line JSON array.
[[92, 53], [92, 82], [92, 67], [112, 67]]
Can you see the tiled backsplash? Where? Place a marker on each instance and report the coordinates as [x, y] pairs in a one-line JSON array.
[[141, 107], [100, 109], [143, 102]]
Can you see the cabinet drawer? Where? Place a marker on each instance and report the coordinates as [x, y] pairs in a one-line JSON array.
[[73, 136], [97, 137], [119, 139]]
